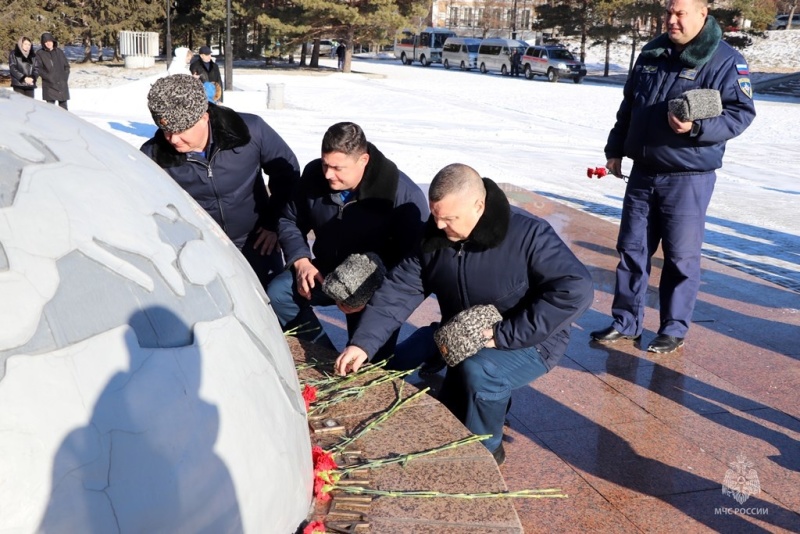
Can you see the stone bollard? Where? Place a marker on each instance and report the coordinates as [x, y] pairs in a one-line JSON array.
[[275, 95]]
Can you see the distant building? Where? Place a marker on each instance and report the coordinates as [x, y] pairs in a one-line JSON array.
[[486, 18]]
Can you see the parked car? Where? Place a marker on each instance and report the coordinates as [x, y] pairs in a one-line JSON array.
[[781, 21], [552, 61], [326, 47], [495, 54], [461, 52]]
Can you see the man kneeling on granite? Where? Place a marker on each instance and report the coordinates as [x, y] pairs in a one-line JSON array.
[[508, 288]]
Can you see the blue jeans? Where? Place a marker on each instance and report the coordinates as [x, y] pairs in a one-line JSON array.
[[477, 390], [295, 311], [669, 210]]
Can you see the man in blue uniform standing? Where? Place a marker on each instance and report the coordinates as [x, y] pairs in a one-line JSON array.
[[674, 159], [478, 251]]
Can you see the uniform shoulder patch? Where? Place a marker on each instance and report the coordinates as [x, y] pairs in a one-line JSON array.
[[746, 87], [742, 70]]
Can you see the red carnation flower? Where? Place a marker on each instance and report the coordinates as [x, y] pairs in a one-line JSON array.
[[600, 172], [589, 172], [309, 395], [322, 460], [315, 527]]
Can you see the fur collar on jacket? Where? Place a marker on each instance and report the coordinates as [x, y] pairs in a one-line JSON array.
[[490, 231], [19, 53], [227, 127], [380, 177], [697, 52]]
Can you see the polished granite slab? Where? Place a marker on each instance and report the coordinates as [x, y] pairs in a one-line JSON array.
[[643, 442]]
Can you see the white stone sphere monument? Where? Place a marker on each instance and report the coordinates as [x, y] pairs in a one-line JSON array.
[[145, 384]]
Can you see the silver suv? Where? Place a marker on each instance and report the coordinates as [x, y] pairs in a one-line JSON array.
[[552, 61], [781, 21]]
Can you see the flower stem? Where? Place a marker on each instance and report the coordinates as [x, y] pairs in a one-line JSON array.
[[399, 403], [404, 459], [549, 493]]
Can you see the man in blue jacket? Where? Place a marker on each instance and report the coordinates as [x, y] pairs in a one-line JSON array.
[[674, 160], [478, 250], [354, 200], [217, 156]]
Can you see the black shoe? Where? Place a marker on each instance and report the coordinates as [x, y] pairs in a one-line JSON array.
[[432, 367], [663, 344], [611, 335], [499, 455]]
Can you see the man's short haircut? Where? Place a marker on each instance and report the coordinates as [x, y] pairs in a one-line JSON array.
[[455, 178], [345, 137]]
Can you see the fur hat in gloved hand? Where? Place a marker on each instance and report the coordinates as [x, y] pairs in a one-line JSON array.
[[462, 336], [177, 102], [696, 104], [355, 280]]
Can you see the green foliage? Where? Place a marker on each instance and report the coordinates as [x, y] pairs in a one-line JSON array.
[[362, 20], [70, 20]]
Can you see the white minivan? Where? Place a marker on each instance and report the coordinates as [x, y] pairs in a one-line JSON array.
[[495, 54], [461, 52]]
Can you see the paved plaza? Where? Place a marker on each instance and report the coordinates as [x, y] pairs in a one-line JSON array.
[[644, 442]]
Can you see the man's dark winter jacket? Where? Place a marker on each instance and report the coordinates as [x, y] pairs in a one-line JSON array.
[[207, 72], [512, 260], [21, 66], [385, 216], [228, 183], [53, 67], [642, 132]]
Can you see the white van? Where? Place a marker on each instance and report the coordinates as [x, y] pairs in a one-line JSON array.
[[495, 54], [461, 52]]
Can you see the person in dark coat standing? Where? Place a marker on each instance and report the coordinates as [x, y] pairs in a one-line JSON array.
[[22, 67], [355, 200], [674, 164], [207, 70], [478, 250], [217, 156], [340, 52], [53, 68], [516, 59]]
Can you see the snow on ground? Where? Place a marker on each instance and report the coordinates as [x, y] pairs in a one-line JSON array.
[[534, 134]]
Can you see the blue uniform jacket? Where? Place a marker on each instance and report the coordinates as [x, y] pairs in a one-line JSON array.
[[227, 182], [512, 259], [660, 74], [385, 216]]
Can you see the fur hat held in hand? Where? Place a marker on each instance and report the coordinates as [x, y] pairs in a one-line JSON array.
[[696, 104], [462, 336], [177, 102], [355, 280]]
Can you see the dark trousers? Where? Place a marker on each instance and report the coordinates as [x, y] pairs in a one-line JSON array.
[[670, 210], [295, 312], [477, 390], [62, 103], [27, 91], [267, 266]]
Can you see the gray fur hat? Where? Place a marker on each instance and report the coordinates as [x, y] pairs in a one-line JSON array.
[[177, 102], [355, 280], [462, 337], [696, 104]]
